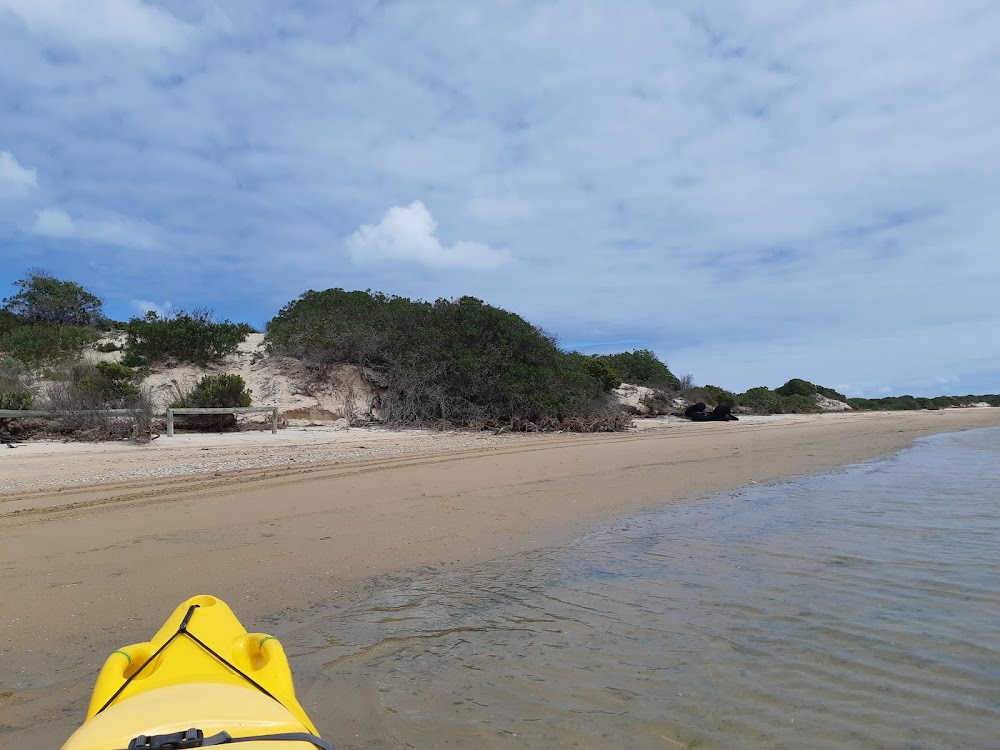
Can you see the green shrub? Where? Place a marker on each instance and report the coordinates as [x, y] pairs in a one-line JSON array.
[[599, 369], [761, 400], [909, 403], [9, 321], [46, 344], [180, 337], [214, 391], [716, 396], [107, 347], [799, 387], [218, 391], [107, 385], [15, 377], [642, 367], [798, 404], [15, 399]]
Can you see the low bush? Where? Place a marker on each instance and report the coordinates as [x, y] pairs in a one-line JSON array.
[[906, 403], [16, 399], [599, 369], [799, 387], [85, 395], [45, 345], [9, 321], [214, 391], [110, 385], [642, 367], [15, 393], [762, 400], [716, 396], [180, 337], [106, 347]]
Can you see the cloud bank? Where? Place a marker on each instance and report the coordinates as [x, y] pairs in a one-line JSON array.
[[756, 191], [131, 22], [53, 222]]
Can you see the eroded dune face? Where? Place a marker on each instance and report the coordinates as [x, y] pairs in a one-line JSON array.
[[342, 392], [831, 404]]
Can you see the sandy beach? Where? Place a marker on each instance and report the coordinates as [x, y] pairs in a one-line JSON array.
[[101, 541]]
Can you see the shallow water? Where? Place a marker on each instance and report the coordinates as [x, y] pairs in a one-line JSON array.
[[856, 609]]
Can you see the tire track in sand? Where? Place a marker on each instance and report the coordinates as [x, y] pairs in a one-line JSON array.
[[40, 505]]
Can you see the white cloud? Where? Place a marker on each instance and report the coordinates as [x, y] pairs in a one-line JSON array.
[[14, 179], [117, 21], [407, 233], [124, 232]]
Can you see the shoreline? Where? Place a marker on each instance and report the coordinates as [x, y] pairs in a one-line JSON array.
[[92, 567]]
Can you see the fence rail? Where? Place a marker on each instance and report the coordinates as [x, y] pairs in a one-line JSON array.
[[14, 413], [223, 410]]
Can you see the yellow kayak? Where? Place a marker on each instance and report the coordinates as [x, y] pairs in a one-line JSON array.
[[202, 681]]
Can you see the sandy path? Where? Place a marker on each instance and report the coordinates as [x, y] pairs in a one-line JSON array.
[[88, 567]]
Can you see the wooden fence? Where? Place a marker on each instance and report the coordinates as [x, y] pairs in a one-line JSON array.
[[223, 410], [14, 413]]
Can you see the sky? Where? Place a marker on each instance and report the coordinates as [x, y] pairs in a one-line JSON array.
[[754, 190]]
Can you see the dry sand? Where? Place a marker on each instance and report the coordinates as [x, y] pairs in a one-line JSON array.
[[99, 542]]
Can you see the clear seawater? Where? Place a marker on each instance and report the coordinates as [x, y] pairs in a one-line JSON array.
[[858, 609]]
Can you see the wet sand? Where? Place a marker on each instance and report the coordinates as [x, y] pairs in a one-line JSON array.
[[101, 542]]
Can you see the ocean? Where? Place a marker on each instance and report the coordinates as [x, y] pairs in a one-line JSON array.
[[856, 609]]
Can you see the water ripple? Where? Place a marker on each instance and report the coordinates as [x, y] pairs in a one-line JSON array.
[[857, 609]]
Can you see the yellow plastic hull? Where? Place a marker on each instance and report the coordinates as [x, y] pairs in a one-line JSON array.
[[187, 686]]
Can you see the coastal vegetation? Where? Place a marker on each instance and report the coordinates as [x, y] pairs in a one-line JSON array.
[[180, 336], [641, 367], [461, 362], [102, 401], [15, 384], [42, 345], [214, 391], [909, 403], [458, 362], [799, 396]]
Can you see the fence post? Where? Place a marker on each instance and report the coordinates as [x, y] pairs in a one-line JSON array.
[[274, 421], [170, 422]]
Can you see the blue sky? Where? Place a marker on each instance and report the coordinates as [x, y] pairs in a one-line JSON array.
[[754, 190]]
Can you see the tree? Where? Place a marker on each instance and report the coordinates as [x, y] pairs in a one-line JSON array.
[[45, 299]]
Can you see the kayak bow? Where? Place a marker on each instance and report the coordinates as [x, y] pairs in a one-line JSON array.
[[202, 681]]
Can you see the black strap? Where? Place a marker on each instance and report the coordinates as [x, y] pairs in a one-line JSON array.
[[196, 738], [182, 630]]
